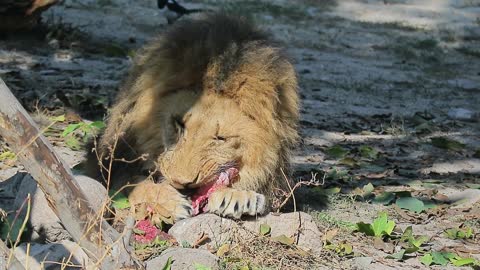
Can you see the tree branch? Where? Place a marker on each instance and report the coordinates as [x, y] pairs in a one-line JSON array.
[[56, 180]]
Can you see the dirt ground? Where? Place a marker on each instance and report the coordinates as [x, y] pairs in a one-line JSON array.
[[390, 105]]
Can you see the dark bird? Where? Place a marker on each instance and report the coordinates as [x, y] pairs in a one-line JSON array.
[[175, 10]]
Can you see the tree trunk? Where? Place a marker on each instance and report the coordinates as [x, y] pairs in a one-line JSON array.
[[57, 182]]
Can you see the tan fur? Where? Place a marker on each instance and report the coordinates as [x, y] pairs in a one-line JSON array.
[[231, 88]]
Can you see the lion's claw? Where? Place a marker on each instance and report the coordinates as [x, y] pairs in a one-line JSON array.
[[229, 202]]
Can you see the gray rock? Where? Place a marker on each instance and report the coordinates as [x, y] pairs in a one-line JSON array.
[[462, 114], [44, 256], [44, 222], [465, 198], [221, 230], [362, 263], [184, 259], [218, 229], [298, 224]]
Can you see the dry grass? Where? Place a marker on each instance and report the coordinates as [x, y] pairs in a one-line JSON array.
[[261, 252]]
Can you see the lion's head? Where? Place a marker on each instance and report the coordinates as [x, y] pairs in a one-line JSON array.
[[245, 118]]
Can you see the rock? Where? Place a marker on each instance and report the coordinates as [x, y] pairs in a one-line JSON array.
[[218, 229], [9, 187], [45, 256], [464, 199], [362, 262], [95, 192], [221, 230], [462, 114], [44, 222], [290, 224], [184, 259]]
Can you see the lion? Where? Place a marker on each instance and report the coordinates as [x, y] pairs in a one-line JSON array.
[[211, 96]]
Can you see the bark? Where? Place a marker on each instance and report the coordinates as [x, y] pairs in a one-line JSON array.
[[57, 182]]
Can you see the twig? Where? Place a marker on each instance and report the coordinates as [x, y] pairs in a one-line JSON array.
[[5, 253], [22, 228], [311, 182], [203, 237]]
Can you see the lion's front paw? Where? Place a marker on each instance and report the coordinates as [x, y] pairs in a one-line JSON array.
[[162, 200], [229, 202]]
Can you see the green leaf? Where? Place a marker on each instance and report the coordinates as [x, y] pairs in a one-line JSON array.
[[368, 152], [120, 201], [283, 239], [427, 259], [407, 234], [411, 204], [459, 233], [336, 152], [429, 204], [397, 256], [368, 189], [10, 229], [365, 228], [168, 264], [382, 225], [348, 161], [265, 229], [7, 155], [385, 198], [97, 124], [419, 241], [198, 266], [463, 261], [70, 128], [439, 258], [448, 144], [344, 249], [72, 143]]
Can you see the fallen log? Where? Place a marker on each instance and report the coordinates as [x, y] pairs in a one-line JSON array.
[[101, 242]]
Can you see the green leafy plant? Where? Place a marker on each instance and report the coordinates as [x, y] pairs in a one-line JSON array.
[[443, 258], [368, 152], [414, 204], [265, 229], [447, 144], [342, 249], [336, 152], [7, 155], [384, 198], [459, 233], [81, 130], [168, 264], [380, 227], [118, 199], [283, 239]]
